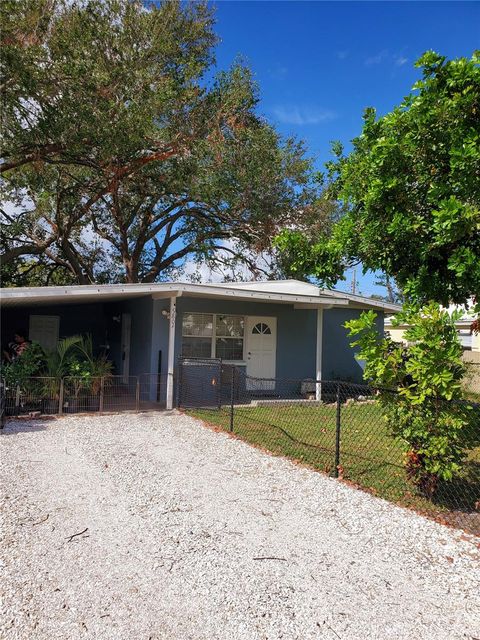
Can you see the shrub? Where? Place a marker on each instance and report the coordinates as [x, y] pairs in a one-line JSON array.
[[28, 365], [426, 409]]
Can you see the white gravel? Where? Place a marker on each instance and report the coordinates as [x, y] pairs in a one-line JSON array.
[[179, 524]]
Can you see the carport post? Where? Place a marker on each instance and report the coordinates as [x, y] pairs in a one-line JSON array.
[[318, 385], [171, 351]]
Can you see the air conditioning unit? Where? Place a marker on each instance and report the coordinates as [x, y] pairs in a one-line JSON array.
[[308, 386]]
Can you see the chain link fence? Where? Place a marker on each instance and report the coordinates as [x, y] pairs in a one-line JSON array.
[[336, 427], [55, 396], [472, 380], [332, 426]]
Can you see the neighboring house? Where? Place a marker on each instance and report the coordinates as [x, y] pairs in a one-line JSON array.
[[469, 340], [275, 329]]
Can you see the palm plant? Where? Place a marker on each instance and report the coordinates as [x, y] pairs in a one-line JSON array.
[[58, 361], [57, 365], [74, 358], [94, 368]]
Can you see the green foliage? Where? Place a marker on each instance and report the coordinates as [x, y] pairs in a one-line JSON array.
[[300, 257], [122, 158], [28, 365], [57, 362], [411, 190], [85, 367], [74, 357], [420, 388]]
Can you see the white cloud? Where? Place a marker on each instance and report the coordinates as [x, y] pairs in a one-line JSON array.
[[376, 59], [341, 55], [297, 115], [385, 56], [202, 272]]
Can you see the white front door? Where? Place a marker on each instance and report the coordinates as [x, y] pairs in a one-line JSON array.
[[126, 333], [261, 351]]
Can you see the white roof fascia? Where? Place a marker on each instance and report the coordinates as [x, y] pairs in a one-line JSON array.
[[230, 293], [93, 293], [357, 302], [23, 296]]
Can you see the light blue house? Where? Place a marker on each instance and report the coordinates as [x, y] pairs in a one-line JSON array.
[[276, 329]]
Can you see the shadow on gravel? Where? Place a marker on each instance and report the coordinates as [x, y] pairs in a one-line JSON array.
[[15, 425]]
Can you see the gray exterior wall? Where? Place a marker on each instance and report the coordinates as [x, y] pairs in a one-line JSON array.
[[160, 328], [141, 311], [338, 362], [296, 336], [296, 331]]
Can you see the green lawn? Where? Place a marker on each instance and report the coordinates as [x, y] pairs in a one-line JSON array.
[[369, 456]]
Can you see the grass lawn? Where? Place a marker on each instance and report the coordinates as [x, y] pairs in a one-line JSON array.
[[369, 456], [472, 395]]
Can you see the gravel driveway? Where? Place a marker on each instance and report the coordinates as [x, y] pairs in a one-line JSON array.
[[188, 533]]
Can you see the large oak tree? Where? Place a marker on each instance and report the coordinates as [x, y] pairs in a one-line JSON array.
[[124, 156]]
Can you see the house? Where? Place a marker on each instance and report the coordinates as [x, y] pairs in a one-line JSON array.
[[276, 329], [469, 340], [470, 343]]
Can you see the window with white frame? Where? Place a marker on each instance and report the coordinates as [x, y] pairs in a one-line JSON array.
[[207, 335]]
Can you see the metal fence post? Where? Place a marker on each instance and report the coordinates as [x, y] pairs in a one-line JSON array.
[[179, 385], [232, 399], [337, 433], [61, 394], [102, 392], [17, 400], [137, 394]]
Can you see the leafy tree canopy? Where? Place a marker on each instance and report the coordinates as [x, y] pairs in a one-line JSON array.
[[120, 160], [410, 189]]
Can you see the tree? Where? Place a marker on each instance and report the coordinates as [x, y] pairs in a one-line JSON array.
[[394, 294], [411, 191], [419, 388], [120, 160]]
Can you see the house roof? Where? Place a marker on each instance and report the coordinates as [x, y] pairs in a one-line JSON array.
[[293, 292]]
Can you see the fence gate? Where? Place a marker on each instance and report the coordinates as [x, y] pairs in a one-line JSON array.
[[199, 382]]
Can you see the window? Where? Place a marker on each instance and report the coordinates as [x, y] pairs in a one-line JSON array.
[[262, 329], [229, 337], [197, 332], [206, 335]]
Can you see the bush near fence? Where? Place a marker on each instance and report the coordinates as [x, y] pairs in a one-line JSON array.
[[331, 426]]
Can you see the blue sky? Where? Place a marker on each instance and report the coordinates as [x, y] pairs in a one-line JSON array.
[[319, 64]]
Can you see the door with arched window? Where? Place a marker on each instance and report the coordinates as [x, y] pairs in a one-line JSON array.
[[261, 348]]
